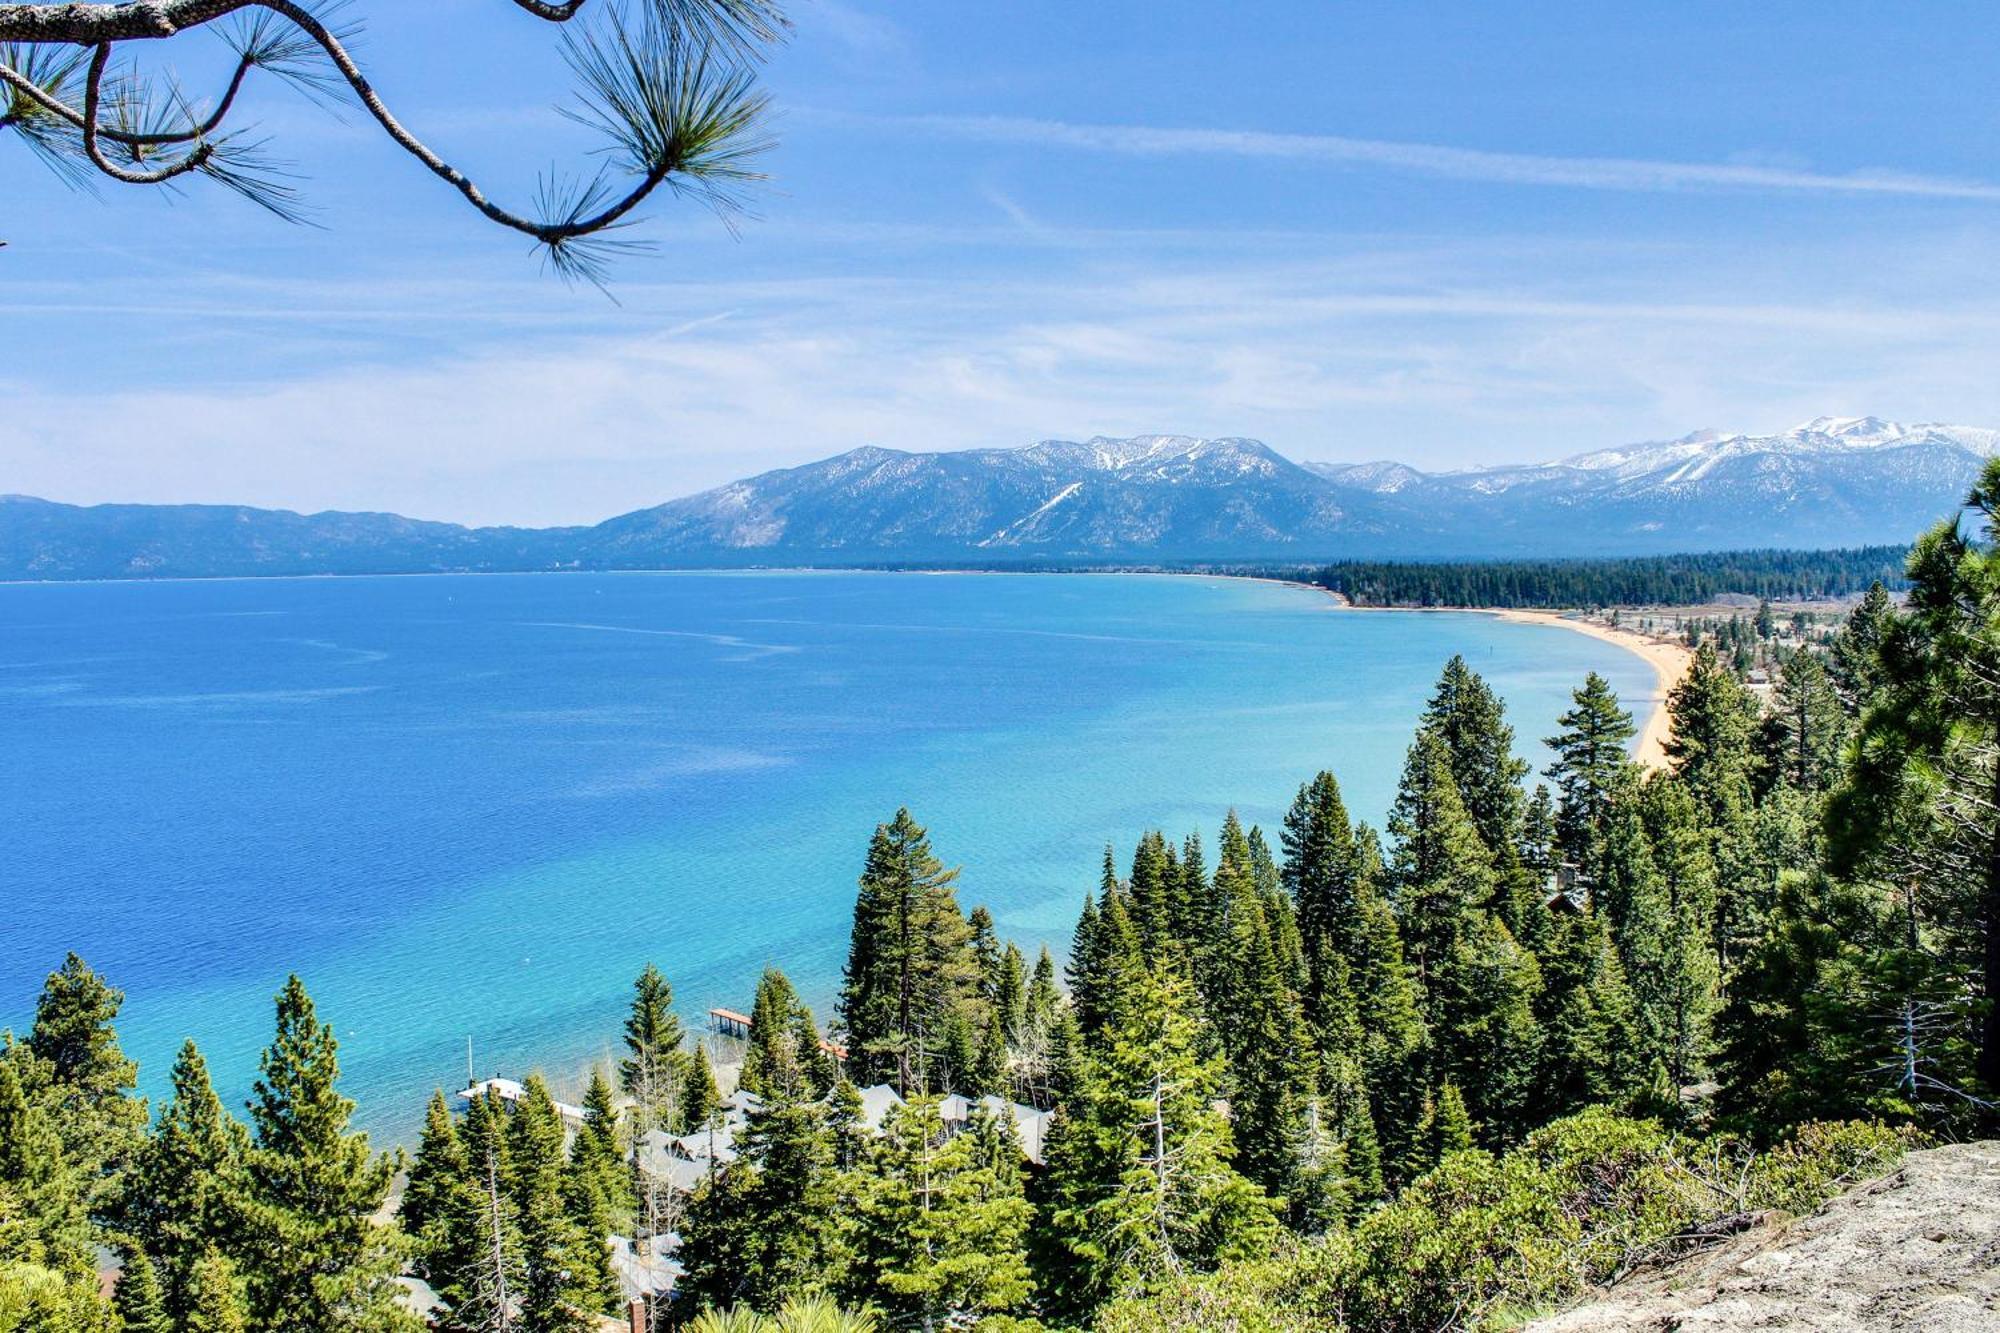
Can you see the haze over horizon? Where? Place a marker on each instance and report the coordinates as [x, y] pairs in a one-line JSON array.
[[1513, 234]]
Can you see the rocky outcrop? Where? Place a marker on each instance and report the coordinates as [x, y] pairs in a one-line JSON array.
[[1917, 1251]]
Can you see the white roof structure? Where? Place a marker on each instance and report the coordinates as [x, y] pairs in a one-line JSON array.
[[511, 1092], [876, 1102], [650, 1274]]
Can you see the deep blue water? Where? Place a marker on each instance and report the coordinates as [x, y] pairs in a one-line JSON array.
[[477, 805]]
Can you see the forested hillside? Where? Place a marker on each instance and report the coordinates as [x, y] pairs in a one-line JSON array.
[[1672, 580], [1434, 1076]]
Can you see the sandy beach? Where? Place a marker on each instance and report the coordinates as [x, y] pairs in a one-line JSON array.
[[1670, 662]]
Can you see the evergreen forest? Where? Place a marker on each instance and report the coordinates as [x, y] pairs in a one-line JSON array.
[[1440, 1074]]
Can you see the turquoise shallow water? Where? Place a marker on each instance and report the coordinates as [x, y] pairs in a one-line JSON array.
[[477, 805]]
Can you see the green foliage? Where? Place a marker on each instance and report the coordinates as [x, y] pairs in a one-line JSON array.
[[1140, 1182], [316, 1261], [943, 1222], [655, 1070], [1666, 580], [1590, 768], [912, 975], [189, 1192], [89, 1080], [1469, 718]]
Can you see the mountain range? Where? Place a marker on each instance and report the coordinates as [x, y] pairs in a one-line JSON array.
[[1834, 481]]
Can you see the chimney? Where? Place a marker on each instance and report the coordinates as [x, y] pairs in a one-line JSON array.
[[635, 1316]]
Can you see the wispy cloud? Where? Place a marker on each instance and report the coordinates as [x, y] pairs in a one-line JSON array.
[[1467, 164]]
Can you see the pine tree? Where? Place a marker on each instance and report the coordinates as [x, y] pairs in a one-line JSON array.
[[1667, 939], [1140, 1180], [703, 1099], [769, 1226], [1450, 1125], [101, 1123], [1855, 661], [784, 1057], [476, 1258], [216, 1300], [1918, 807], [910, 964], [187, 1192], [1441, 873], [1712, 744], [1470, 719], [594, 1155], [54, 1227], [654, 1073], [1590, 768], [1589, 1024], [316, 1261], [553, 1293], [1538, 834], [1807, 730], [1488, 1041], [1322, 872], [943, 1223], [137, 1296], [1010, 994], [1257, 1016], [438, 1175]]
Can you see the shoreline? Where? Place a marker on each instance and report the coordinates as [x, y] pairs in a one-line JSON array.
[[1669, 661]]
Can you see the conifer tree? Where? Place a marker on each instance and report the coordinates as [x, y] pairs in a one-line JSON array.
[[1590, 768], [704, 1098], [137, 1296], [1010, 995], [1322, 872], [1538, 833], [1712, 744], [654, 1071], [1320, 1190], [1441, 873], [910, 966], [1345, 1097], [1044, 999], [594, 1155], [1668, 936], [476, 1261], [217, 1304], [1487, 1038], [1450, 1125], [1855, 661], [316, 1261], [439, 1177], [1470, 719], [187, 1192], [943, 1223], [784, 1044], [90, 1080], [54, 1227], [556, 1253], [1140, 1180], [1807, 729], [768, 1226], [1591, 1039], [1918, 807]]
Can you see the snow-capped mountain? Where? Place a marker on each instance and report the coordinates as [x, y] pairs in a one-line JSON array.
[[1835, 481]]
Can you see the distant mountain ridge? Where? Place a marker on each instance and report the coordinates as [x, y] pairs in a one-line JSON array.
[[1834, 481]]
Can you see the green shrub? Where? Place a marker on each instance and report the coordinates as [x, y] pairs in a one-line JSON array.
[[1481, 1242]]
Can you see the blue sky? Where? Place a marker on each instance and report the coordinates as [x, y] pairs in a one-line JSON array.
[[1449, 233]]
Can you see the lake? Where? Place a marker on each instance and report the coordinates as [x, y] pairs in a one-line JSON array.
[[475, 806]]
